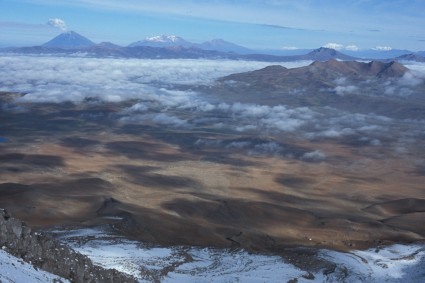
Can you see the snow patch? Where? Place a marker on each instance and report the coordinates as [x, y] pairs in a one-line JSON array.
[[396, 263], [16, 270]]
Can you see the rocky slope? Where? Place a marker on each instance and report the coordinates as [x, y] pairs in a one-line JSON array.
[[13, 269], [44, 252]]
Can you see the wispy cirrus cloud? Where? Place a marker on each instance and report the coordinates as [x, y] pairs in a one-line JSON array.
[[19, 33], [254, 24], [20, 25], [340, 16]]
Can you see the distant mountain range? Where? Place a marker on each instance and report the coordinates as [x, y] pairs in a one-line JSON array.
[[377, 54], [162, 41], [171, 46], [325, 54], [318, 71], [174, 41], [345, 85]]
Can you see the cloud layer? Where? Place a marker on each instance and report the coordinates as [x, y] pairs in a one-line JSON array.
[[48, 79], [163, 93]]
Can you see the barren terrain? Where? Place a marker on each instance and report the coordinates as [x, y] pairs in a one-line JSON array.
[[264, 188]]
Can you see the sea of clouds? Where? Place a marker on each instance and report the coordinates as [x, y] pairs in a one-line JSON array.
[[152, 87], [56, 79]]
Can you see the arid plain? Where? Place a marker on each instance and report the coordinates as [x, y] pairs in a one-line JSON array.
[[320, 176]]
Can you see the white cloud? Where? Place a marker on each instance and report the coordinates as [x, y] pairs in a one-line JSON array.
[[316, 155], [417, 68], [74, 79], [138, 107], [342, 90], [245, 128], [161, 119], [286, 125], [371, 128], [57, 23], [47, 79], [269, 148], [342, 132], [333, 45], [409, 79], [338, 46], [341, 80], [382, 48], [239, 145], [390, 90], [333, 133]]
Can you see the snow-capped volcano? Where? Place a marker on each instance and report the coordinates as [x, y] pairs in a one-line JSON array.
[[176, 41], [69, 40], [163, 41], [164, 38]]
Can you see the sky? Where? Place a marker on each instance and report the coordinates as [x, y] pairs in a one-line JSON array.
[[256, 24]]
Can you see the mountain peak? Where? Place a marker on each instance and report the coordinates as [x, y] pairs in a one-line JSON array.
[[163, 41], [224, 46], [69, 40], [392, 69], [108, 45], [325, 54], [324, 50], [174, 41], [217, 40], [70, 33], [411, 57]]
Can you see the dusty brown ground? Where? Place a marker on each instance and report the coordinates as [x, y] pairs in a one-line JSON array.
[[77, 172]]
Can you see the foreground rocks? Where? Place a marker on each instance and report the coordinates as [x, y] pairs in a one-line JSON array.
[[42, 251]]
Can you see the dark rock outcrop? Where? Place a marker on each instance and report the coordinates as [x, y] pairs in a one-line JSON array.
[[43, 251]]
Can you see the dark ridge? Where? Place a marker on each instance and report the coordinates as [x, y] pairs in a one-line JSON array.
[[324, 54], [323, 71], [43, 251], [411, 57]]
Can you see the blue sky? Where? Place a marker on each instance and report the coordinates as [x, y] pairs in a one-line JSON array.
[[261, 24]]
